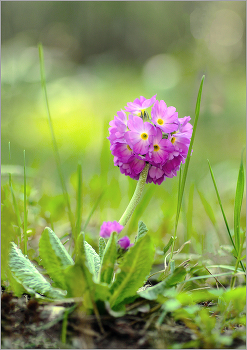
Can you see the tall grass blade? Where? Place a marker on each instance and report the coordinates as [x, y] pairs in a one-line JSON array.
[[223, 213], [25, 206], [187, 162], [182, 180], [79, 201], [190, 215], [54, 143], [238, 204]]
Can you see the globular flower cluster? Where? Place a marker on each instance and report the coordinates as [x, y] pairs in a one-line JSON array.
[[162, 140]]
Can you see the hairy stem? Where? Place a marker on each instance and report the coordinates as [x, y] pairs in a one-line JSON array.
[[136, 196]]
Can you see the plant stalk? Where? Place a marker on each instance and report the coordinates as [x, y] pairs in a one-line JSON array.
[[136, 196]]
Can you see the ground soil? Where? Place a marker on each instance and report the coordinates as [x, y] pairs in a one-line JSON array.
[[29, 324]]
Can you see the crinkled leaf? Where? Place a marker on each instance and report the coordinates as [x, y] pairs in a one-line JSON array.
[[54, 257], [142, 230], [93, 259], [27, 274], [102, 245], [133, 270], [15, 286], [171, 280], [109, 259], [82, 261]]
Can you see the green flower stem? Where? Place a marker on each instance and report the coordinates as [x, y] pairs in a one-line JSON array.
[[136, 196]]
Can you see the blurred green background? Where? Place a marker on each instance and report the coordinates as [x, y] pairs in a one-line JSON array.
[[99, 56]]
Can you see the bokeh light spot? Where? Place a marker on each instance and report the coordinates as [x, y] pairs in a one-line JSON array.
[[161, 72], [227, 27]]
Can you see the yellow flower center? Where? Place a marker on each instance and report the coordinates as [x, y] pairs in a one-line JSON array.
[[156, 148], [173, 139], [144, 136], [160, 121], [129, 148]]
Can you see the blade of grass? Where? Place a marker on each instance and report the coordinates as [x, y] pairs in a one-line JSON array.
[[25, 206], [223, 213], [189, 216], [238, 259], [211, 276], [64, 326], [54, 143], [79, 201], [238, 204], [186, 165]]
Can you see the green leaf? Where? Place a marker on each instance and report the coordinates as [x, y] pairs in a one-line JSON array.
[[186, 165], [80, 281], [235, 299], [167, 247], [15, 286], [54, 257], [171, 280], [93, 259], [102, 291], [102, 245], [81, 260], [27, 274], [223, 213], [78, 201], [78, 277], [238, 204], [189, 215], [133, 270], [142, 230], [212, 276], [76, 281], [109, 259]]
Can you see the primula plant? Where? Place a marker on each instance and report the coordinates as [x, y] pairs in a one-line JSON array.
[[149, 148]]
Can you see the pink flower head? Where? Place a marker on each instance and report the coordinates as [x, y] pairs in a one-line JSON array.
[[140, 135], [164, 117], [139, 105], [160, 149], [124, 242], [108, 227], [162, 141]]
